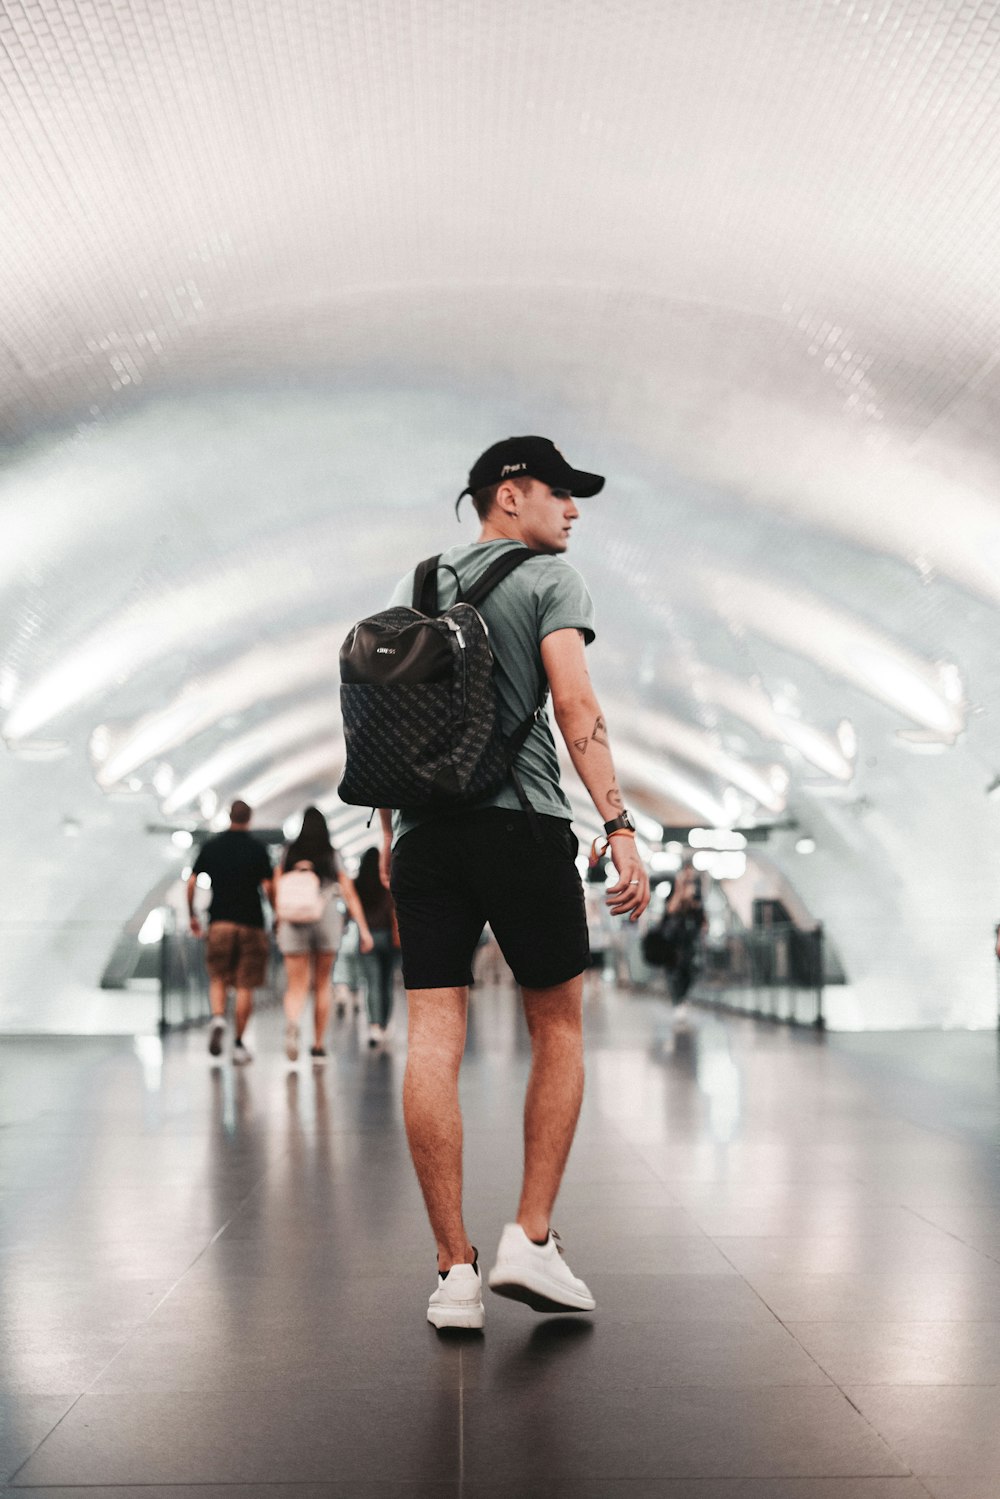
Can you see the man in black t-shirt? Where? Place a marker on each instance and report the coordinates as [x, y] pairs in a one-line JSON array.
[[237, 946]]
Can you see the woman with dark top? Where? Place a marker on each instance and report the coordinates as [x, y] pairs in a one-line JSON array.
[[381, 960], [310, 946]]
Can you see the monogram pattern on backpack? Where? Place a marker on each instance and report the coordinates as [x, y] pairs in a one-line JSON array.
[[420, 711]]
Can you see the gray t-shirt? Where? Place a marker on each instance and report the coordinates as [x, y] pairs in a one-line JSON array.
[[539, 597]]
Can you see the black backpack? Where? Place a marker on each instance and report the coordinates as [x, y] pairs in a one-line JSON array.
[[421, 722]]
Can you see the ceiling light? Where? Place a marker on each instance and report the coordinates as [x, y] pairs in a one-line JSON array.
[[847, 738], [722, 839], [720, 865], [163, 779], [805, 845], [151, 930], [42, 750], [100, 743]]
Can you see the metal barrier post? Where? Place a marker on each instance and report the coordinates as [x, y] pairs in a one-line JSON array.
[[820, 1021], [164, 979], [769, 972]]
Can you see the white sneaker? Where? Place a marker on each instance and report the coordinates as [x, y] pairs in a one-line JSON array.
[[241, 1053], [376, 1035], [680, 1014], [537, 1274], [292, 1041], [458, 1300]]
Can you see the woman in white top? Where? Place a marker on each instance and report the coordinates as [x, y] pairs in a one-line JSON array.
[[309, 945]]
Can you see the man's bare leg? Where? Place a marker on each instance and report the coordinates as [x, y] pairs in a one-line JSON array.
[[555, 1093], [217, 992], [244, 1009], [433, 1117]]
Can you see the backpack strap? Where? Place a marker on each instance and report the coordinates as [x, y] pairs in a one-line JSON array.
[[425, 593], [495, 573], [425, 598]]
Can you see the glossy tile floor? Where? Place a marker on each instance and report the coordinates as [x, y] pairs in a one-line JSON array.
[[214, 1281]]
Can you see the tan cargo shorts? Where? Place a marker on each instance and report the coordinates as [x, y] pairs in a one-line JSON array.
[[237, 954]]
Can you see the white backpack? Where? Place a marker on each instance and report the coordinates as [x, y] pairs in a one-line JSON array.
[[300, 896]]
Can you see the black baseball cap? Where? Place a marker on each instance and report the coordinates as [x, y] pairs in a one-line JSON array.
[[530, 457]]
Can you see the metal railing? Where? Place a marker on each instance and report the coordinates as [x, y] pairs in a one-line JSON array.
[[774, 973]]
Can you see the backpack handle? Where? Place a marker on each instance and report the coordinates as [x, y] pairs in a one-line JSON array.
[[425, 594]]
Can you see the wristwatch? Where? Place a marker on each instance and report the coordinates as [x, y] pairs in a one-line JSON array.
[[620, 824]]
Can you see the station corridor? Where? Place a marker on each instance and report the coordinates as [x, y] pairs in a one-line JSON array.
[[215, 1279]]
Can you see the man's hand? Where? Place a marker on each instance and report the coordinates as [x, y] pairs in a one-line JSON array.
[[631, 894], [195, 924]]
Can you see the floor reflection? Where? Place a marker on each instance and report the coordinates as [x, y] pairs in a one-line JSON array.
[[219, 1276]]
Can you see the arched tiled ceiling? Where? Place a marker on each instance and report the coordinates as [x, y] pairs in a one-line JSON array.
[[271, 275]]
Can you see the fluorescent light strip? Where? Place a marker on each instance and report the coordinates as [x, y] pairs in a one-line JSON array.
[[265, 740], [661, 731], [320, 762], [655, 775], [268, 671], [179, 618], [754, 708], [842, 644]]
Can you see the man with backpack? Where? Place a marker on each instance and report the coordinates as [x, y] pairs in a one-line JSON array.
[[485, 834]]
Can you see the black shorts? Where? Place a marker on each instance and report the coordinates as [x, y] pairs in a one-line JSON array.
[[453, 874]]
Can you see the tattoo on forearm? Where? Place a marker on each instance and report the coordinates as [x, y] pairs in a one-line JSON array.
[[581, 745], [615, 797], [600, 734]]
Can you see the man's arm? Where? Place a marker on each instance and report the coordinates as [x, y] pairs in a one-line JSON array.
[[193, 921], [582, 725], [385, 857], [352, 901]]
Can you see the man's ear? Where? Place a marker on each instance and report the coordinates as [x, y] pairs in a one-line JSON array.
[[508, 498]]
